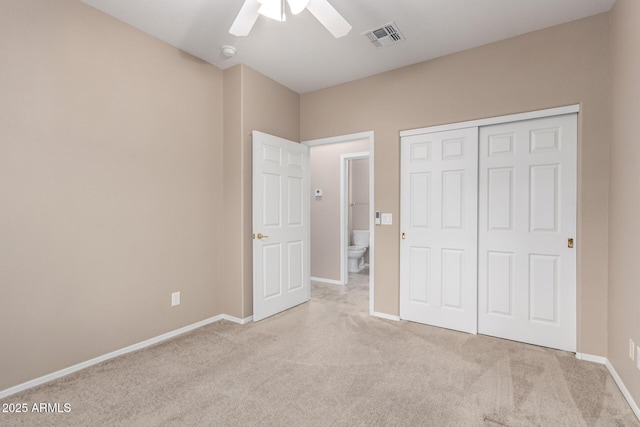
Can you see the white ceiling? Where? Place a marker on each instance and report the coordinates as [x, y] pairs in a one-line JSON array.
[[302, 55]]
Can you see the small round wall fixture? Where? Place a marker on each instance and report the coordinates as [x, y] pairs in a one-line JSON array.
[[228, 51]]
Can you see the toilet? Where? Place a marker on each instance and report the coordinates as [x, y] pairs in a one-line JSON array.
[[356, 252]]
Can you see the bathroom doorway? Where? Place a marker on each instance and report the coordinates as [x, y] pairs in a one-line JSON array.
[[354, 215], [331, 235]]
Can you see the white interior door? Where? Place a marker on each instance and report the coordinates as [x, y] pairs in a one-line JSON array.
[[280, 224], [527, 201], [438, 250]]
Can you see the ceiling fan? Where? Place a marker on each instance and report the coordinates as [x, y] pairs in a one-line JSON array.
[[275, 9]]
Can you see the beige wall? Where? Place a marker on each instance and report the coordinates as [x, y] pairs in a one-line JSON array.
[[113, 157], [624, 199], [233, 184], [110, 187], [252, 102], [562, 65], [325, 211]]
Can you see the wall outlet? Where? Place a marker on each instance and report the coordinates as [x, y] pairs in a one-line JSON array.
[[632, 349], [175, 298]]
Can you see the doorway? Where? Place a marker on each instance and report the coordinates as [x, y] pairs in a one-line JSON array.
[[330, 236], [354, 215]]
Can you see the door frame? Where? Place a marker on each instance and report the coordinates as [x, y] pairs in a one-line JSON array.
[[344, 211], [368, 135], [538, 114]]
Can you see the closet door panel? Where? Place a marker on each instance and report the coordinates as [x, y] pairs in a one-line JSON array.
[[438, 254], [527, 213]]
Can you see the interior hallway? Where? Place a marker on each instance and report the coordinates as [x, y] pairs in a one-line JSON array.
[[353, 296]]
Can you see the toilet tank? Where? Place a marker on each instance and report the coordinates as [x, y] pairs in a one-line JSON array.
[[361, 238]]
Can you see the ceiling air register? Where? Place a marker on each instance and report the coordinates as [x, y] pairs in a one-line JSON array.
[[384, 36]]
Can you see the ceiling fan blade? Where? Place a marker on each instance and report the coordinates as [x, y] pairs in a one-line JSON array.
[[329, 17], [273, 9], [246, 18]]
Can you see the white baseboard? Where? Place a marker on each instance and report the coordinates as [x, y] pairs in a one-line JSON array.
[[623, 389], [385, 316], [591, 358], [125, 350], [330, 281], [625, 392], [237, 319]]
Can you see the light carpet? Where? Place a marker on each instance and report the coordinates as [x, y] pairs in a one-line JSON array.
[[328, 363]]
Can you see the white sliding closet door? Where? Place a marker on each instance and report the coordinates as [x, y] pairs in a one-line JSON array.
[[438, 250], [527, 214]]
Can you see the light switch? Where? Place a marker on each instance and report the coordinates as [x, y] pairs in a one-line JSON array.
[[387, 219]]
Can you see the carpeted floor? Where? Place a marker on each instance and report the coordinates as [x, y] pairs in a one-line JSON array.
[[328, 363]]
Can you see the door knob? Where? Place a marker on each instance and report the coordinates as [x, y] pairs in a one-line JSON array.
[[404, 236], [261, 236]]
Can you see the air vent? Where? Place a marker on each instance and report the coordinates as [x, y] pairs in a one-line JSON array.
[[384, 36]]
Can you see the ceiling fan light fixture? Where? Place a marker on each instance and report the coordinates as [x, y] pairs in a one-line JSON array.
[[322, 10], [273, 9], [297, 6]]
